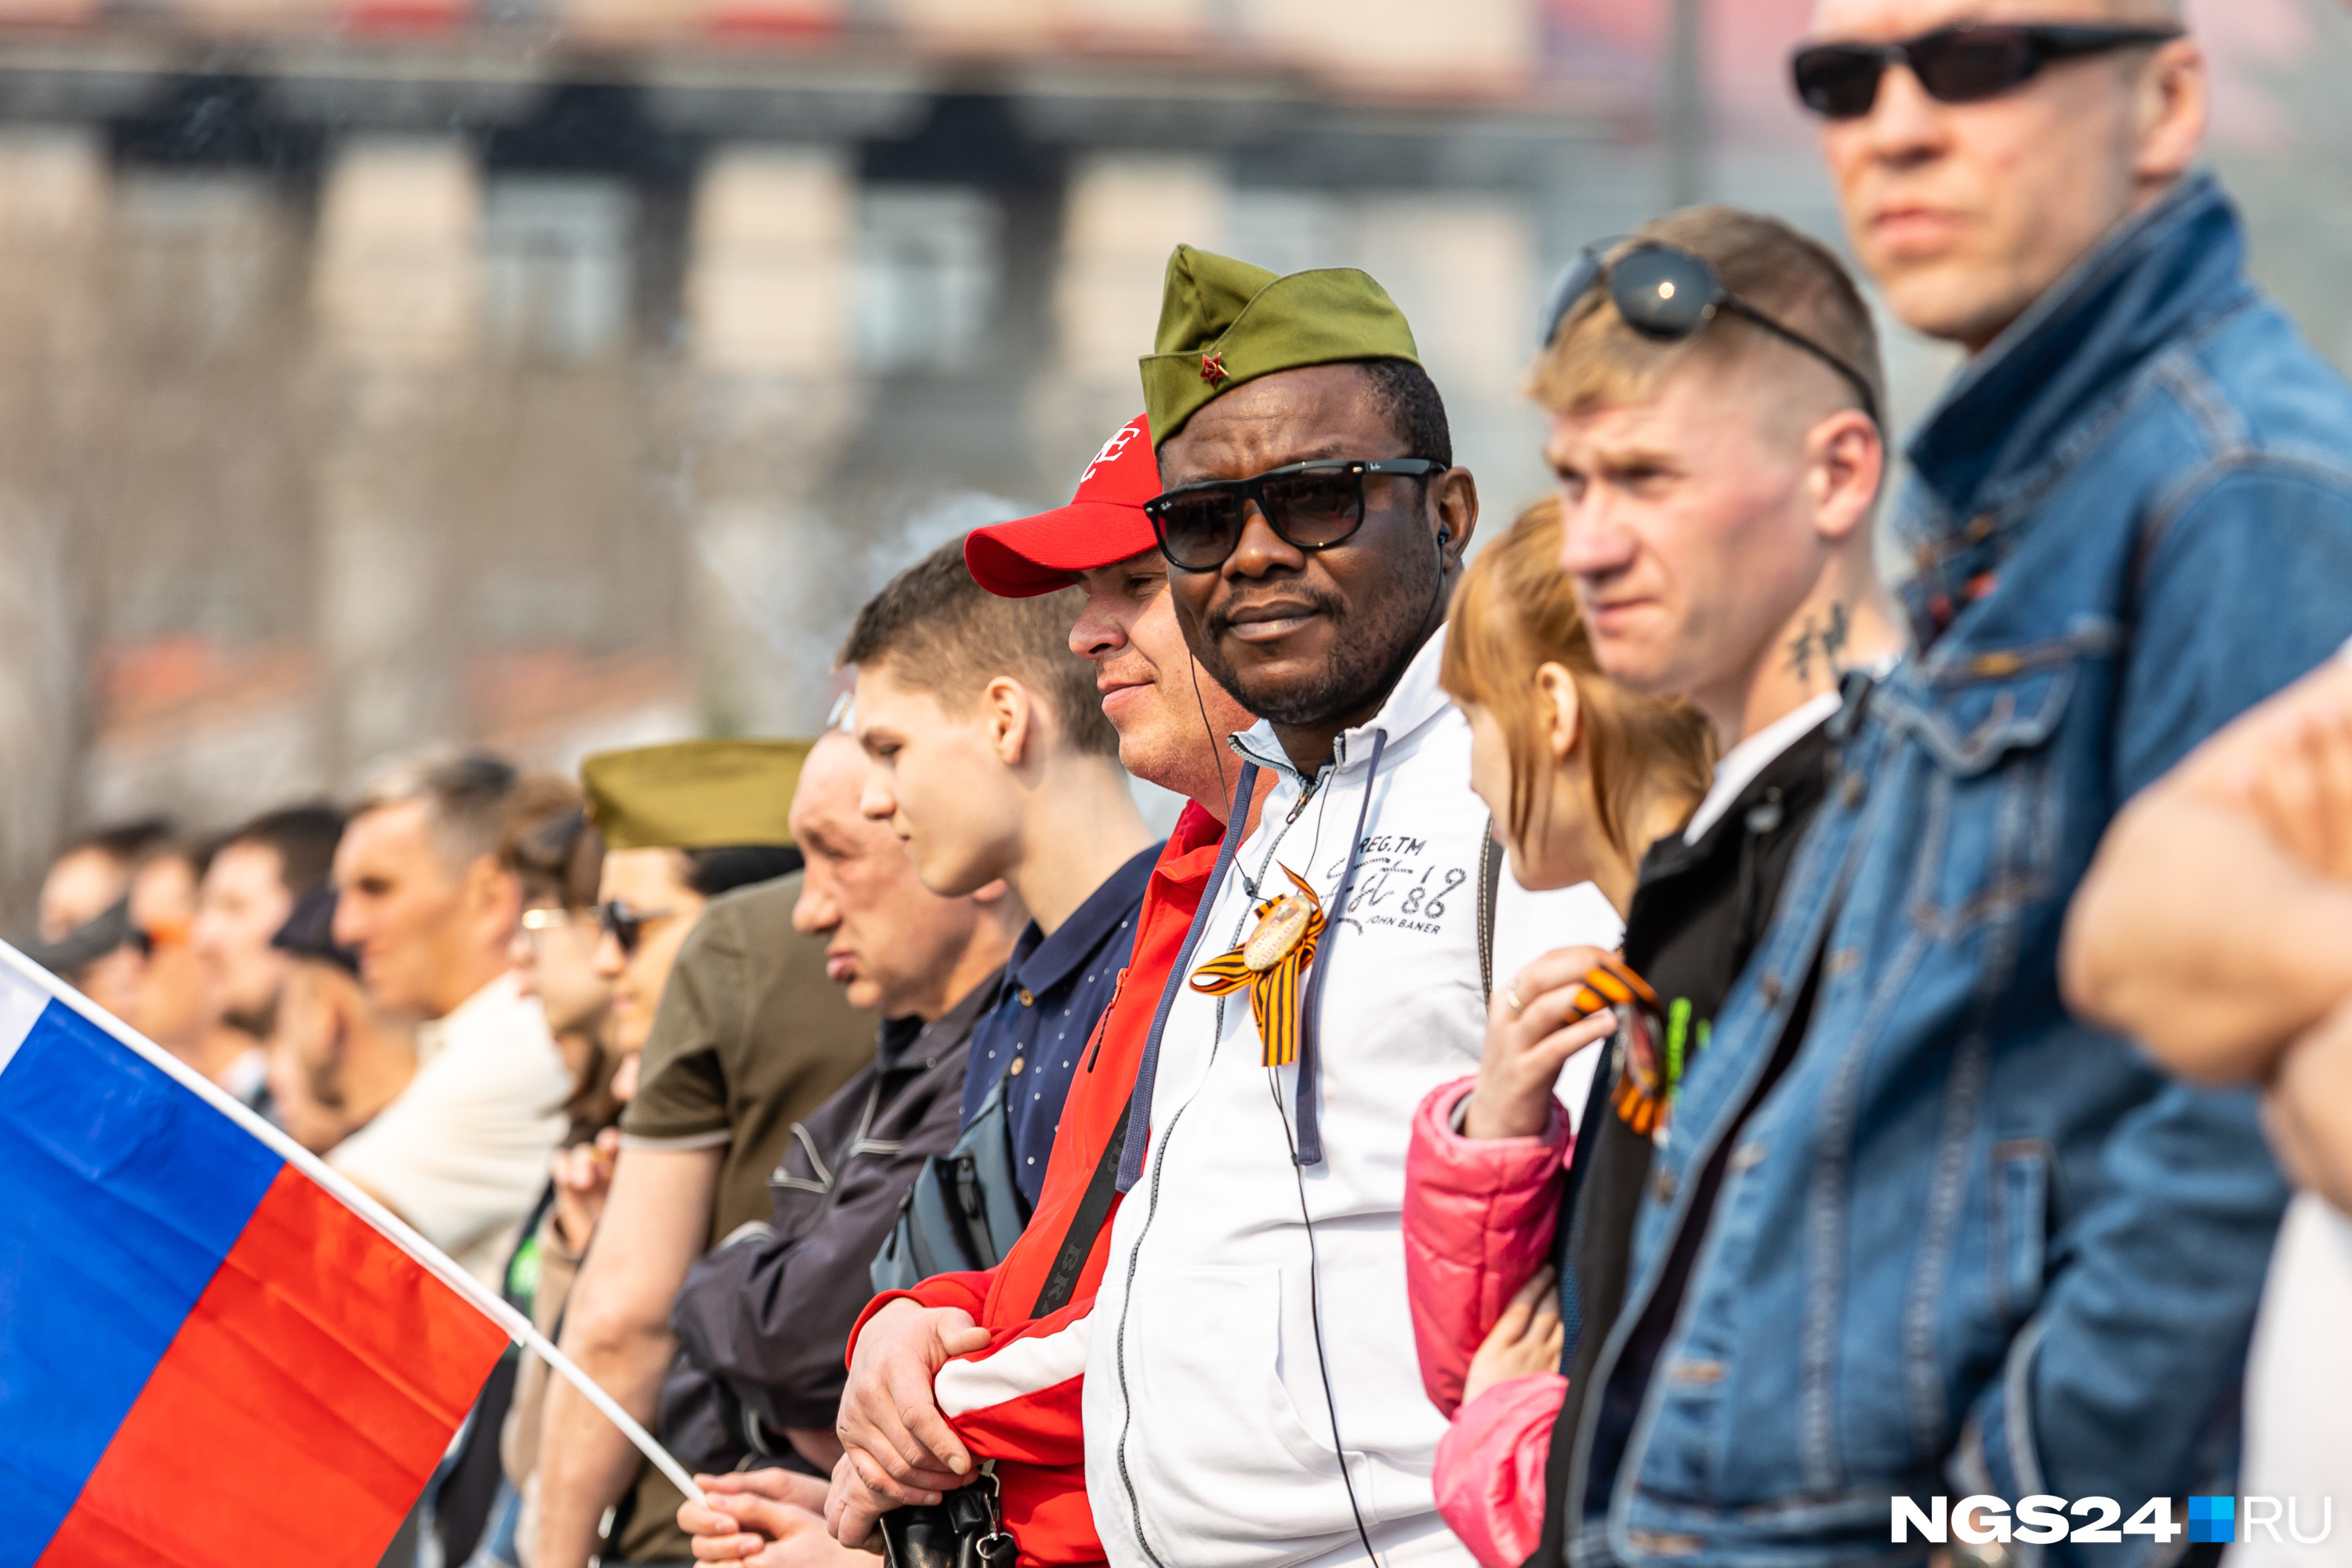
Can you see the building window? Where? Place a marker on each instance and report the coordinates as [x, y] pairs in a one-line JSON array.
[[556, 266], [927, 271]]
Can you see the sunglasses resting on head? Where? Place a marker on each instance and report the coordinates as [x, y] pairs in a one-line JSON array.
[[1666, 293]]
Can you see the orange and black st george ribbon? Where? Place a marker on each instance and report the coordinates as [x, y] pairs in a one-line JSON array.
[[1641, 1089], [1271, 962]]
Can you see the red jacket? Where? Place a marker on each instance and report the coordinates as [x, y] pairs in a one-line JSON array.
[[1016, 1401], [1478, 1221]]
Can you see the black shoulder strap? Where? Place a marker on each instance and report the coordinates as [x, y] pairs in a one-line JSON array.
[[1102, 1190], [1490, 882]]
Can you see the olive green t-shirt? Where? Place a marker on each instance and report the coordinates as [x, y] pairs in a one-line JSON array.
[[750, 1038]]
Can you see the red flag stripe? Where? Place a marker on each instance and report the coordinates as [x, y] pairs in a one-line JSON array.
[[300, 1410]]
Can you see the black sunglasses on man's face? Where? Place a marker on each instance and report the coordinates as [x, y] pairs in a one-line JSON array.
[[1965, 63], [1310, 506], [1666, 293]]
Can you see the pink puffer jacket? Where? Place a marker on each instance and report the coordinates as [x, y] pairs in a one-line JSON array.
[[1478, 1221]]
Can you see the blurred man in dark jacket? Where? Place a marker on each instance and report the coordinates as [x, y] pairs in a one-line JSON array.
[[768, 1316]]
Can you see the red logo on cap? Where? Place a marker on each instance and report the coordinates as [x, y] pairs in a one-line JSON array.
[[1212, 368]]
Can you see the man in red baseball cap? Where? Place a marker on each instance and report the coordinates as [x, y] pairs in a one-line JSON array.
[[1172, 716], [926, 1374]]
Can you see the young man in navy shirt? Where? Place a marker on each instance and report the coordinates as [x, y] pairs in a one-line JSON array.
[[992, 759]]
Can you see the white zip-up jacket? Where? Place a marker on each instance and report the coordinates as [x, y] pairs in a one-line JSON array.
[[1209, 1416]]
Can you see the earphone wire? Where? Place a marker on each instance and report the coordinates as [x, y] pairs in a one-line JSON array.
[[1216, 750], [1315, 1316]]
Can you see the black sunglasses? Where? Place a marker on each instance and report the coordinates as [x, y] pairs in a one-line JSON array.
[[625, 925], [1667, 293], [1310, 506], [1962, 64]]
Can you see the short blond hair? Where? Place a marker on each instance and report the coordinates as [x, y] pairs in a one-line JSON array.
[[1595, 361]]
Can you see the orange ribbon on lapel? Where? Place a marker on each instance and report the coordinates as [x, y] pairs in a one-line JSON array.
[[1643, 1086], [1270, 962]]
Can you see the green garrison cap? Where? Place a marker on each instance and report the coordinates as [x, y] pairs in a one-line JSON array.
[[696, 794], [1223, 322]]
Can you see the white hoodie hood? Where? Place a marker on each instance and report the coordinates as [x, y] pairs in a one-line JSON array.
[[1209, 1426]]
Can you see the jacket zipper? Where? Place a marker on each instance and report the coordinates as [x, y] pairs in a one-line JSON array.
[[1152, 1209]]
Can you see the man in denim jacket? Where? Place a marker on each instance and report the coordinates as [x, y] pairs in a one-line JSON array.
[[1917, 1233]]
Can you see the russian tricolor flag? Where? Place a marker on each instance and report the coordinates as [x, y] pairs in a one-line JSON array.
[[212, 1351]]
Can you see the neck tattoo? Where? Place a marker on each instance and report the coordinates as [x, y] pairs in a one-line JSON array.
[[1826, 638]]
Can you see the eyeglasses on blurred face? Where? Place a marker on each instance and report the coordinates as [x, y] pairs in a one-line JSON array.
[[1965, 63], [1666, 293], [160, 933], [625, 924], [554, 917], [1310, 506]]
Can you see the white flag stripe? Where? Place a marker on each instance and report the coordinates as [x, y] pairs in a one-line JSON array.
[[20, 1009], [19, 974]]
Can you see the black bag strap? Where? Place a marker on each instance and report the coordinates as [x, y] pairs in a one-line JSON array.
[[1490, 882], [1102, 1190]]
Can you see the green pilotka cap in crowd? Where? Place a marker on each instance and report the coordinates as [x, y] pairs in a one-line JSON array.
[[1223, 322], [694, 795]]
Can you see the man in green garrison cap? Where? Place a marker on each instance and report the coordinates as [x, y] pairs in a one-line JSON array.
[[741, 1034], [1313, 521]]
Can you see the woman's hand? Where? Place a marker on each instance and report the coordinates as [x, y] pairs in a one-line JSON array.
[[1533, 1025], [584, 1178], [1526, 1339]]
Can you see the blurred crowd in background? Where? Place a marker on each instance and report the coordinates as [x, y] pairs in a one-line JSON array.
[[1240, 1026], [558, 374]]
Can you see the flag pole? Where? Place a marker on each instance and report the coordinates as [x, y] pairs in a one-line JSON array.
[[527, 1335], [395, 1230]]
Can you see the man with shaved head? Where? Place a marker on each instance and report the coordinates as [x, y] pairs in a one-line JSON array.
[[1919, 1234]]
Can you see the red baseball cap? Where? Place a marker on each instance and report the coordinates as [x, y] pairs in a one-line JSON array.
[[1103, 524]]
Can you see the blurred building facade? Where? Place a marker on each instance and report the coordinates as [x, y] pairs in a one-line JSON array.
[[561, 372]]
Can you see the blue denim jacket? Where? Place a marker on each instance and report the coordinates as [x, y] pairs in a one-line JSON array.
[[1966, 1243]]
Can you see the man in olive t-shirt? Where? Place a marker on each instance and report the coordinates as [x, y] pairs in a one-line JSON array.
[[748, 1039]]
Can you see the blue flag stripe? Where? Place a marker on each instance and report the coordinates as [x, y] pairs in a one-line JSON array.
[[124, 1191]]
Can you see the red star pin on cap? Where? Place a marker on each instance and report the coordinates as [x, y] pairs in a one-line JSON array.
[[1212, 368]]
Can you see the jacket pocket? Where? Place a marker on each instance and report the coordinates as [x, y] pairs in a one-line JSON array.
[[1989, 833], [1982, 707], [801, 1187], [2020, 1225]]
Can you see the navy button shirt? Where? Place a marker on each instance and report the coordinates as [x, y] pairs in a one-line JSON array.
[[1054, 989]]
